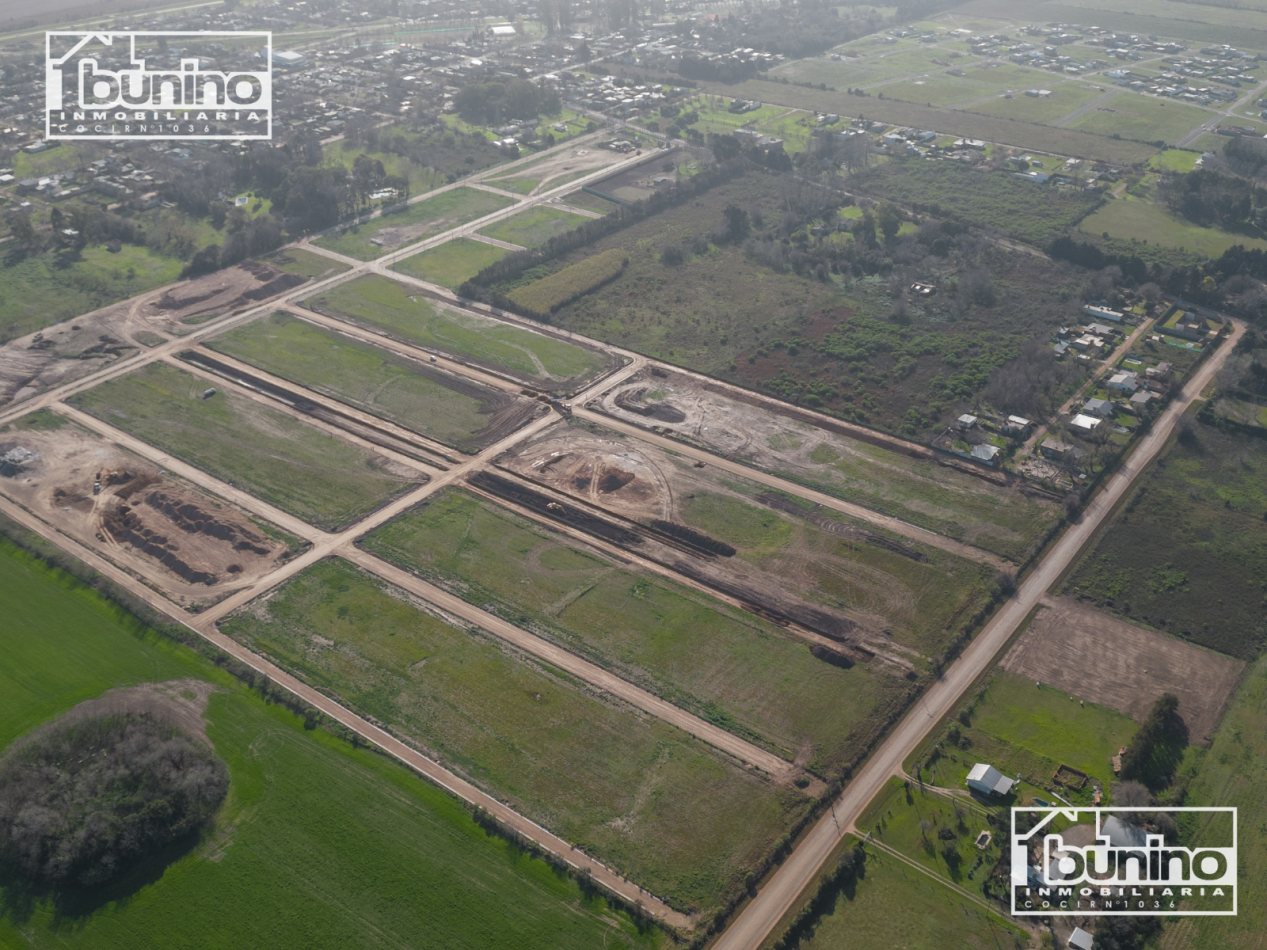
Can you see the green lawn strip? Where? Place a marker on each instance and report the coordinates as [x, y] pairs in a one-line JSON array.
[[1198, 514], [318, 845], [638, 794], [1233, 772], [724, 665], [520, 186], [912, 820], [397, 309], [366, 376], [452, 263], [1134, 219], [300, 469], [296, 260], [43, 289], [413, 222], [1174, 160], [895, 905], [920, 601], [1020, 728], [533, 227]]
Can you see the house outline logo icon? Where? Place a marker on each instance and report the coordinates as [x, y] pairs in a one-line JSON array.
[[138, 101], [1123, 871]]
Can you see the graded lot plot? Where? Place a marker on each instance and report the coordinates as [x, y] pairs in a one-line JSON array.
[[876, 589], [452, 263], [588, 202], [319, 845], [734, 669], [659, 806], [194, 547], [413, 222], [1064, 647], [296, 260], [1144, 118], [880, 473], [894, 905], [1233, 772], [935, 91], [533, 227], [397, 310], [863, 71], [1025, 729], [1187, 553], [300, 469], [443, 406], [1065, 99]]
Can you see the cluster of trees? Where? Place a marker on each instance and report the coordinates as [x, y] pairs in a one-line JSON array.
[[1154, 751], [86, 797], [244, 237], [1210, 199], [492, 103]]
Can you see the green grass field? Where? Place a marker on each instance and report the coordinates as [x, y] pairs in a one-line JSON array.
[[1198, 512], [1233, 771], [727, 666], [452, 263], [415, 222], [1142, 118], [40, 290], [1022, 729], [935, 91], [318, 845], [638, 794], [1065, 99], [1174, 160], [300, 469], [533, 227], [442, 407], [296, 260], [1138, 219], [895, 905], [520, 186], [394, 308]]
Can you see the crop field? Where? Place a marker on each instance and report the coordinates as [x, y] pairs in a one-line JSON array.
[[787, 554], [296, 260], [317, 846], [1143, 118], [897, 818], [413, 223], [544, 296], [1021, 728], [451, 409], [452, 263], [1187, 554], [298, 468], [391, 307], [1034, 213], [1234, 772], [660, 806], [732, 668], [894, 905], [533, 227], [917, 490], [1135, 219]]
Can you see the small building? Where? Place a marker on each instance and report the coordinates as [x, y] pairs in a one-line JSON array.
[[1126, 382], [1080, 939], [1101, 408], [988, 780], [1087, 342], [1102, 313], [1055, 449], [1098, 329], [1141, 400], [989, 454], [1160, 371], [289, 59], [1084, 424], [967, 421], [501, 31], [1017, 425]]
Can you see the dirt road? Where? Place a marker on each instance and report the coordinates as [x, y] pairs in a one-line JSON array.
[[786, 887]]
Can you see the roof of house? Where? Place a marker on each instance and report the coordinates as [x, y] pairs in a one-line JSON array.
[[1084, 422], [968, 419], [1080, 939], [1141, 397], [989, 777], [1019, 421], [985, 453], [1095, 405]]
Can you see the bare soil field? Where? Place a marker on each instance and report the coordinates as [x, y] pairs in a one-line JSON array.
[[864, 591], [74, 348], [869, 468], [633, 184], [1100, 658], [193, 547], [587, 158]]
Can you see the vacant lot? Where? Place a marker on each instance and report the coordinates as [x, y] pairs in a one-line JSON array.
[[1023, 729], [888, 479], [1188, 552], [533, 227], [788, 555], [398, 311], [296, 260], [729, 667], [1143, 118], [294, 466], [894, 905], [1138, 219], [1064, 646], [317, 846], [452, 263], [413, 222], [643, 797], [451, 409]]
